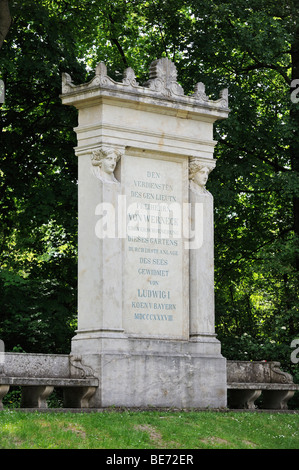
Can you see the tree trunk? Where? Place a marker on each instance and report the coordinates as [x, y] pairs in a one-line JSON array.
[[5, 20]]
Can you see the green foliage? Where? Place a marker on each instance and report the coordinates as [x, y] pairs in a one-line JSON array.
[[251, 47], [38, 184], [13, 398]]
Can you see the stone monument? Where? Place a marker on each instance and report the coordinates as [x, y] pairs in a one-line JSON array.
[[145, 240]]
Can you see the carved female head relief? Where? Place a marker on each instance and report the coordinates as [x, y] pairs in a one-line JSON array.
[[198, 173], [104, 161]]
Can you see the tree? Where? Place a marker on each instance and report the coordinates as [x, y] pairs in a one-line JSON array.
[[251, 48], [38, 183]]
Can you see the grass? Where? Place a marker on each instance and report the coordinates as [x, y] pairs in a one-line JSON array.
[[148, 430]]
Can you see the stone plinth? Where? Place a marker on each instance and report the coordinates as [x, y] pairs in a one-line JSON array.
[[145, 262]]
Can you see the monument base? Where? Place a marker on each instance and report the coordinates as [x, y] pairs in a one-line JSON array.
[[154, 373]]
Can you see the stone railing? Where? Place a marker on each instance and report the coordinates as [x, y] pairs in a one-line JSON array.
[[38, 374], [247, 380]]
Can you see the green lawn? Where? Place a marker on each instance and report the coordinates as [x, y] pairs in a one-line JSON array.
[[148, 430]]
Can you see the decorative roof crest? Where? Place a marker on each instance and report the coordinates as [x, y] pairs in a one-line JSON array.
[[129, 77], [162, 83], [163, 75]]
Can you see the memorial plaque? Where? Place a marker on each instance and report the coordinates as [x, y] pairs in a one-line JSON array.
[[155, 259]]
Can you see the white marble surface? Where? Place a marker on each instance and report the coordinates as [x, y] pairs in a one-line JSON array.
[[155, 276], [146, 307]]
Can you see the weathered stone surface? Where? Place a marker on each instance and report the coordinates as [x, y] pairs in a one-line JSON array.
[[145, 286], [156, 275], [35, 365], [143, 372], [247, 380], [257, 372], [53, 382], [36, 390]]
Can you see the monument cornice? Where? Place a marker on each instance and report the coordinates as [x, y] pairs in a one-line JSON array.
[[127, 129], [89, 135], [162, 93]]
